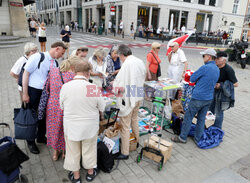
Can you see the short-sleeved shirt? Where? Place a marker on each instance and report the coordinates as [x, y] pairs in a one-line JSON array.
[[227, 73], [121, 25], [65, 38], [37, 76], [32, 24], [153, 66], [110, 25], [178, 57], [16, 69]]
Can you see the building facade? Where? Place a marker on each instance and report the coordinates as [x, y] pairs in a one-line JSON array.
[[59, 12], [13, 21], [30, 11], [233, 16], [204, 15], [246, 25]]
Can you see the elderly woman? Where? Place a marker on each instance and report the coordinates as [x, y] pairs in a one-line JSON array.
[[113, 65], [29, 49], [81, 52], [153, 62], [81, 124], [98, 73], [54, 115]]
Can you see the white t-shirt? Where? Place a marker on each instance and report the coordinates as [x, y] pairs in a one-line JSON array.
[[121, 25], [32, 24], [183, 29], [41, 32], [178, 57], [16, 69], [110, 25]]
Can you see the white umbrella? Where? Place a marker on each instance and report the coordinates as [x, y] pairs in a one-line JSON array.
[[171, 23], [207, 25]]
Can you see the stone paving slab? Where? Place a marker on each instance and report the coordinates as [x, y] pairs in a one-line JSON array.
[[187, 163]]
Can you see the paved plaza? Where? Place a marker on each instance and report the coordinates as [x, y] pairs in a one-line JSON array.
[[230, 162]]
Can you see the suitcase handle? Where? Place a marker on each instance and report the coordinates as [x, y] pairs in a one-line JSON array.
[[7, 126]]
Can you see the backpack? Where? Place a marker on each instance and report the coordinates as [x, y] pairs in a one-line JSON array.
[[105, 160], [20, 79]]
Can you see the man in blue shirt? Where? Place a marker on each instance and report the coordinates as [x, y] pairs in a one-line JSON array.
[[205, 78], [34, 77]]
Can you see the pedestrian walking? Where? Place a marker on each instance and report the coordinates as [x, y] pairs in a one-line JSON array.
[[66, 35], [121, 26], [131, 75], [29, 49], [42, 37], [76, 25], [132, 30], [205, 78], [140, 29], [177, 60], [81, 124], [54, 115], [33, 26], [110, 26], [224, 89], [34, 77]]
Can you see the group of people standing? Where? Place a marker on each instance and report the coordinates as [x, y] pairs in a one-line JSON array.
[[71, 121]]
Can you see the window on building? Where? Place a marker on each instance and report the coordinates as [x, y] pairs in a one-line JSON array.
[[70, 2], [0, 2], [188, 1], [235, 6], [244, 35], [60, 3], [201, 2], [66, 3], [231, 31], [212, 2]]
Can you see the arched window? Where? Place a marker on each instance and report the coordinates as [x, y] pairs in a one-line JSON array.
[[231, 31]]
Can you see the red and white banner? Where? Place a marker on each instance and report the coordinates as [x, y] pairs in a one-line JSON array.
[[180, 40]]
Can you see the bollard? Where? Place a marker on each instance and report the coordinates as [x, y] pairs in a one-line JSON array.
[[122, 34], [206, 41], [215, 41], [106, 32], [114, 33], [134, 36], [147, 36], [162, 39]]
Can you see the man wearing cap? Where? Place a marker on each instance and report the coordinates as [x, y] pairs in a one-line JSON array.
[[205, 78], [226, 83], [176, 59]]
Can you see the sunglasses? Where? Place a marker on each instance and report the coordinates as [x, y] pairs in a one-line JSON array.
[[158, 48]]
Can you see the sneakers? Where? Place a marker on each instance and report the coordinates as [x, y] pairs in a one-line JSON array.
[[122, 157], [91, 177], [72, 179]]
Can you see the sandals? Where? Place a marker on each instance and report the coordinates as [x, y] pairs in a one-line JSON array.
[[72, 179], [91, 177], [177, 139], [55, 156]]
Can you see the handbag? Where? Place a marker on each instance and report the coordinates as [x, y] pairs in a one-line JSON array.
[[44, 100], [25, 121], [158, 74]]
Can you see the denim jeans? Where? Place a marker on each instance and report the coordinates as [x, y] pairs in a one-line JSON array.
[[199, 107], [219, 114]]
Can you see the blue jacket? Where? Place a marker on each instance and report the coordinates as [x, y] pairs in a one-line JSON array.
[[205, 77]]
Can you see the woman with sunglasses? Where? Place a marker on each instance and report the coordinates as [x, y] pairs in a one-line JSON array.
[[153, 62]]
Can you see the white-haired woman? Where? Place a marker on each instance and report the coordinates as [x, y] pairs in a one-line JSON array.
[[98, 73], [29, 49], [113, 65], [66, 35]]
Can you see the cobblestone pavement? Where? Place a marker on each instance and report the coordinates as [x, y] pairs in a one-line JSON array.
[[187, 163]]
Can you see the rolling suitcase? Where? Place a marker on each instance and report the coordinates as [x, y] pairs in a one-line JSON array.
[[8, 150]]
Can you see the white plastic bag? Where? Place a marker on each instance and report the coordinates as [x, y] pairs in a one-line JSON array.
[[168, 110]]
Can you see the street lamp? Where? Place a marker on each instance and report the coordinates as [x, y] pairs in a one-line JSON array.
[[101, 13]]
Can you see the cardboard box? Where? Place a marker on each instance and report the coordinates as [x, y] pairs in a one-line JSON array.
[[208, 123], [165, 148]]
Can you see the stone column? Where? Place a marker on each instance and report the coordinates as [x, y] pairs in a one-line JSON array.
[[205, 22], [191, 21], [84, 23], [179, 21], [164, 16], [150, 16], [19, 25], [129, 15], [107, 15]]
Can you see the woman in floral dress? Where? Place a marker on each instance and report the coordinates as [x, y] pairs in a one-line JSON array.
[[54, 115]]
